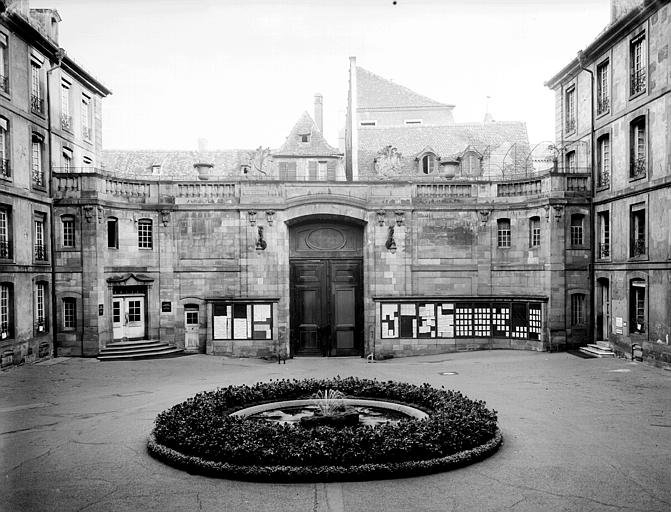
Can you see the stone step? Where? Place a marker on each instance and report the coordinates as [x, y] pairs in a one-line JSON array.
[[597, 351], [136, 347], [167, 351], [603, 344]]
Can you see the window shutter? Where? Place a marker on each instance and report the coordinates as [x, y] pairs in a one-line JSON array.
[[331, 170], [3, 124], [312, 167]]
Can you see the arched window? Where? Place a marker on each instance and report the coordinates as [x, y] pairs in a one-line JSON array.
[[503, 233], [6, 310], [144, 234], [534, 232], [577, 229], [428, 163], [471, 164]]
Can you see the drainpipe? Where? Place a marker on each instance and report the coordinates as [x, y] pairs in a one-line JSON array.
[[60, 54], [581, 62]]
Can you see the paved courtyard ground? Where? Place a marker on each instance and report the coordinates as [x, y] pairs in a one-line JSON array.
[[579, 434]]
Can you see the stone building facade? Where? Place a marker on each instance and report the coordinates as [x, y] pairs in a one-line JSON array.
[[427, 237], [49, 118], [612, 117]]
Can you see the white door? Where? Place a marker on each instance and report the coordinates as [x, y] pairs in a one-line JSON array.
[[191, 324], [128, 317]]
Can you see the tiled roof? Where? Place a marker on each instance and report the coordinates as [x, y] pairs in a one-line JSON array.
[[316, 145], [498, 143], [179, 164], [373, 91]]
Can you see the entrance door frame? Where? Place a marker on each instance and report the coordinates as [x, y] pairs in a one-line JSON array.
[[351, 250], [124, 304], [602, 308]]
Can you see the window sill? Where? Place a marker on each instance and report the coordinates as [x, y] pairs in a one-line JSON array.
[[69, 249], [8, 179], [145, 248], [38, 114], [40, 188], [638, 178], [640, 257], [5, 94], [603, 188], [599, 115], [638, 94]]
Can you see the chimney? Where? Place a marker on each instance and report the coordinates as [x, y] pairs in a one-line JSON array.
[[18, 6], [319, 112]]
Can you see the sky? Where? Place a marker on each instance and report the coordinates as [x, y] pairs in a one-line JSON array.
[[239, 73]]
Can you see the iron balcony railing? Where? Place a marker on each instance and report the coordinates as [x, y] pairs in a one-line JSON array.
[[638, 166], [638, 248], [66, 122], [5, 249], [570, 124], [86, 132], [38, 178], [4, 83], [604, 250], [638, 81], [36, 104], [40, 252], [5, 169], [602, 105], [4, 330], [603, 179]]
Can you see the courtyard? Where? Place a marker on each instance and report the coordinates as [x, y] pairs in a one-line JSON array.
[[579, 434]]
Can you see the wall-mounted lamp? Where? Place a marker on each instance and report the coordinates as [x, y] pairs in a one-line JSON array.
[[251, 215], [390, 244], [399, 218], [270, 217], [260, 242], [381, 214]]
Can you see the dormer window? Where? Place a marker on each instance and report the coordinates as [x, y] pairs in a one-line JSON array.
[[305, 137], [244, 169], [428, 163], [471, 163]]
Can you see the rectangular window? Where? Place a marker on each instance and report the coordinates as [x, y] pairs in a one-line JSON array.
[[68, 224], [637, 314], [86, 117], [577, 230], [4, 63], [287, 171], [570, 162], [602, 89], [312, 171], [36, 100], [36, 163], [67, 160], [144, 234], [134, 311], [116, 312], [69, 314], [5, 312], [534, 232], [66, 118], [577, 309], [603, 220], [40, 307], [40, 245], [638, 245], [4, 148], [322, 171], [570, 110], [603, 161], [503, 233], [242, 321], [638, 65], [638, 146], [5, 239], [112, 234], [192, 318]]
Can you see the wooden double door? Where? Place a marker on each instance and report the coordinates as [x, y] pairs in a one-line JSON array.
[[327, 307]]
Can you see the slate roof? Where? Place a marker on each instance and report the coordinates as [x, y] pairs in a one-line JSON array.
[[175, 164], [497, 142], [373, 91], [317, 145]]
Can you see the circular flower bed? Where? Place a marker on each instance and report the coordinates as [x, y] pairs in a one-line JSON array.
[[201, 436]]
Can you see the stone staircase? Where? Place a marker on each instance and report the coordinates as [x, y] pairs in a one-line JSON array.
[[598, 349], [142, 349]]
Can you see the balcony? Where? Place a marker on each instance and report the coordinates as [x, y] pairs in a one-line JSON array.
[[638, 81], [570, 124], [603, 251], [40, 252], [5, 250], [5, 169], [4, 83], [36, 104], [638, 247], [86, 132], [4, 330], [66, 122], [603, 179], [602, 105], [638, 167]]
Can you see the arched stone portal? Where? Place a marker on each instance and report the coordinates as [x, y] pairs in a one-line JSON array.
[[326, 281]]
